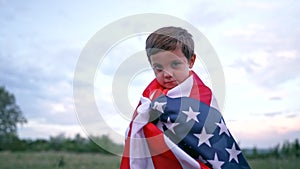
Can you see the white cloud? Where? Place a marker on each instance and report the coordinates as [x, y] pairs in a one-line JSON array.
[[270, 69], [40, 128]]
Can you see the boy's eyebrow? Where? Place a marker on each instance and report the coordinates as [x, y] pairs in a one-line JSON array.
[[156, 64], [177, 59], [174, 60]]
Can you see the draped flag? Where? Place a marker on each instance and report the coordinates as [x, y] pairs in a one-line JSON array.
[[180, 128]]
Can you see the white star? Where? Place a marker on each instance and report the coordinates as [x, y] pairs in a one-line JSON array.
[[159, 106], [223, 128], [203, 137], [216, 164], [191, 115], [233, 153], [171, 126]]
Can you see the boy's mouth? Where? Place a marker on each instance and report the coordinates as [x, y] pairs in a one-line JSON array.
[[174, 82]]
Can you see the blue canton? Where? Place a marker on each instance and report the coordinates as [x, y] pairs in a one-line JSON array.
[[200, 131]]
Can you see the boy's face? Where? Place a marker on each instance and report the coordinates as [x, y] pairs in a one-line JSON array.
[[171, 67]]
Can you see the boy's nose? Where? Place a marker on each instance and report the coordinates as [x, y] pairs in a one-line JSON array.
[[167, 74]]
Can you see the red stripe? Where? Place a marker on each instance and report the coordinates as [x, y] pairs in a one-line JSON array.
[[162, 157], [125, 163], [200, 91], [154, 85]]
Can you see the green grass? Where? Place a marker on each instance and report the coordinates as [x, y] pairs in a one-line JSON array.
[[57, 160], [64, 160], [272, 163]]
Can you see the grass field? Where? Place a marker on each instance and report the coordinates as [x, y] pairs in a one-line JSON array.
[[271, 163], [57, 160], [63, 160]]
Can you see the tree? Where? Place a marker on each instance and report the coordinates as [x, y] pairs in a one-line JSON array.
[[275, 152], [296, 148], [57, 142], [10, 116], [286, 148], [254, 152]]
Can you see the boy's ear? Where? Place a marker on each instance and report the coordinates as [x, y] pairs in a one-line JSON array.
[[192, 61]]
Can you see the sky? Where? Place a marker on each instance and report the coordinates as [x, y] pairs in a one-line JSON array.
[[41, 44]]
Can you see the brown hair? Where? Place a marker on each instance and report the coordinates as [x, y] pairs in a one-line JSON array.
[[168, 39]]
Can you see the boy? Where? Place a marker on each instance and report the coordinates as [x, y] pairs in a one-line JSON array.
[[175, 124]]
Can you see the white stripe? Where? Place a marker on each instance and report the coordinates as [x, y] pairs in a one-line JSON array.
[[186, 161], [140, 156], [183, 89], [214, 103]]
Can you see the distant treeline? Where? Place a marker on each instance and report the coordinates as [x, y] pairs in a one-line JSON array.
[[285, 150], [62, 143], [80, 144]]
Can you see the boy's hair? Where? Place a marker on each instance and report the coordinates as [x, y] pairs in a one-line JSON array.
[[168, 39]]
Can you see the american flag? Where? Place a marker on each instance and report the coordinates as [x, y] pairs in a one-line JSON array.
[[186, 130]]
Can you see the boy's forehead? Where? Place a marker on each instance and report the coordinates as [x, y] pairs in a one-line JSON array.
[[166, 55]]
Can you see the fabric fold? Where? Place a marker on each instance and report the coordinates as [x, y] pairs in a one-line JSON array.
[[180, 128]]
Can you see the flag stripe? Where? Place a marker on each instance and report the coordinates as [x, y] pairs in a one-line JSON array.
[[161, 155]]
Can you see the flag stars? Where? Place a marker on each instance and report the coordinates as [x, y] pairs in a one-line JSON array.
[[159, 106], [216, 164], [233, 153], [171, 126], [203, 137], [223, 128], [191, 115]]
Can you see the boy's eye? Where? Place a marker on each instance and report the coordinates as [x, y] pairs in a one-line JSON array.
[[158, 68], [175, 64]]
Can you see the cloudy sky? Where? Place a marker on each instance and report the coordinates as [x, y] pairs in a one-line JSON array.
[[256, 42]]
